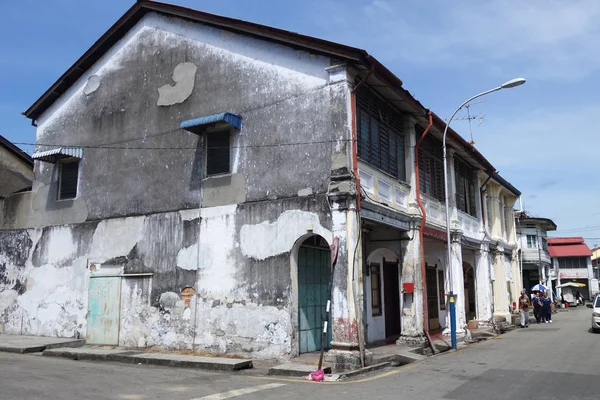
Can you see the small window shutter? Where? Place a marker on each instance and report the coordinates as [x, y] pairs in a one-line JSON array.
[[69, 173], [218, 152]]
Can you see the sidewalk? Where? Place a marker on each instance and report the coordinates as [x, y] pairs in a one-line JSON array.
[[35, 344], [391, 355]]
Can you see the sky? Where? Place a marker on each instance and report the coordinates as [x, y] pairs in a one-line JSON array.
[[542, 136]]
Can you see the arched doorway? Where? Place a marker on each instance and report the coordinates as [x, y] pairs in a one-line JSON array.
[[314, 273], [470, 299]]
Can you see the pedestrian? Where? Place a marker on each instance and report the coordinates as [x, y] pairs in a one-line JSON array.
[[537, 307], [524, 304], [546, 308]]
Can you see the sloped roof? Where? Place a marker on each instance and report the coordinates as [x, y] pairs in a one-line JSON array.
[[354, 56], [8, 145], [568, 247]]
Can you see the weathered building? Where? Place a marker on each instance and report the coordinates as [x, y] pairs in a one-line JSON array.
[[195, 173], [572, 263], [16, 168], [532, 234]]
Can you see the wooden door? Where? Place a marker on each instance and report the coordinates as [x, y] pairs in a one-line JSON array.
[[432, 299], [391, 290], [104, 310], [314, 271]]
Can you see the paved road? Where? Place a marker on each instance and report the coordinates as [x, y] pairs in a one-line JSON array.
[[549, 361]]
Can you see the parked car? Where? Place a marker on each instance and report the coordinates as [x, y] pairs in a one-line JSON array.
[[595, 305]]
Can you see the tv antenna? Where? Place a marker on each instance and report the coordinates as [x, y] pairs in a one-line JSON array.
[[478, 117]]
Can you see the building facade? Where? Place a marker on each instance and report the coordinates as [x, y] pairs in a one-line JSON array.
[[532, 236], [572, 260], [16, 168], [195, 176], [596, 261]]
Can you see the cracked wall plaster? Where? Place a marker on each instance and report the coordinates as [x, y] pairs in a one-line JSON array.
[[267, 239], [92, 84], [184, 76]]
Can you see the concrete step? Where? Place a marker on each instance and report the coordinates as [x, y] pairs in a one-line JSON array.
[[295, 369], [164, 359]]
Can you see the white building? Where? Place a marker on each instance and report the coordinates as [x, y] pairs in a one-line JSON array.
[[532, 235]]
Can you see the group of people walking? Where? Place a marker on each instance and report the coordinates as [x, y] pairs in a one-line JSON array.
[[542, 308]]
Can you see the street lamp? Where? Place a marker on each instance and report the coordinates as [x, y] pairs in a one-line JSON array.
[[507, 85]]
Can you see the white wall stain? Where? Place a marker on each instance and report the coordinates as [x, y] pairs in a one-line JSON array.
[[267, 239], [184, 76], [217, 277], [115, 237], [187, 258], [60, 245]]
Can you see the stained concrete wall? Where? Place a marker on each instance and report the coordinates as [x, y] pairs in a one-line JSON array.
[[236, 258], [136, 213], [165, 71]]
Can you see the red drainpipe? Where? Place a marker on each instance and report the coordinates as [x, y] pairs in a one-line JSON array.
[[423, 220]]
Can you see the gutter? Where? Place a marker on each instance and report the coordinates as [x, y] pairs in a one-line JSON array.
[[423, 220]]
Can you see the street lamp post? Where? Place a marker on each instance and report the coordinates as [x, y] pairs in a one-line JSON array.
[[510, 84]]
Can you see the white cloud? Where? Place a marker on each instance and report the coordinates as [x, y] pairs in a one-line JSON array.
[[548, 39], [543, 140]]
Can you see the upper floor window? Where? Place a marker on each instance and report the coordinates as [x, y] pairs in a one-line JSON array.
[[380, 134], [218, 153], [531, 241], [465, 187], [431, 167], [545, 244], [572, 262], [68, 177]]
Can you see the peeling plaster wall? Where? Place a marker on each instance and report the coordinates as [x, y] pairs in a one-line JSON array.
[[165, 71], [136, 212], [244, 297]]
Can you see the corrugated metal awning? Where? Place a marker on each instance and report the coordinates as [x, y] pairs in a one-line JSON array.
[[54, 155], [215, 121]]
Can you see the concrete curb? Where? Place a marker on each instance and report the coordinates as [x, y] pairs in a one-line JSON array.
[[295, 370], [41, 347], [138, 357], [206, 363], [366, 370]]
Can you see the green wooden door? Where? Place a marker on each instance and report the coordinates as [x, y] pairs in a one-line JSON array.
[[314, 270], [104, 310]]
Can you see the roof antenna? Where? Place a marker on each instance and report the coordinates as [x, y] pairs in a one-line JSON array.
[[470, 118]]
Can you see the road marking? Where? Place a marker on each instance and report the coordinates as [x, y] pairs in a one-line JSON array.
[[239, 392]]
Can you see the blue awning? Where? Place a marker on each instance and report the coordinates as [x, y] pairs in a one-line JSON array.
[[54, 155], [216, 121]]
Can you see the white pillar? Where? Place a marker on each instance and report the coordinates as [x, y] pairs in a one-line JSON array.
[[458, 285], [412, 303], [500, 288], [483, 284]]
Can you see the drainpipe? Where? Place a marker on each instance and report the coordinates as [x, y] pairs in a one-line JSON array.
[[423, 220]]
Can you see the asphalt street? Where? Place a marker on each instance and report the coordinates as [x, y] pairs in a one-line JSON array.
[[548, 361]]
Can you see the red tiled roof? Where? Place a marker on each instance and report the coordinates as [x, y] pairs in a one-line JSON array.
[[569, 250], [565, 240]]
